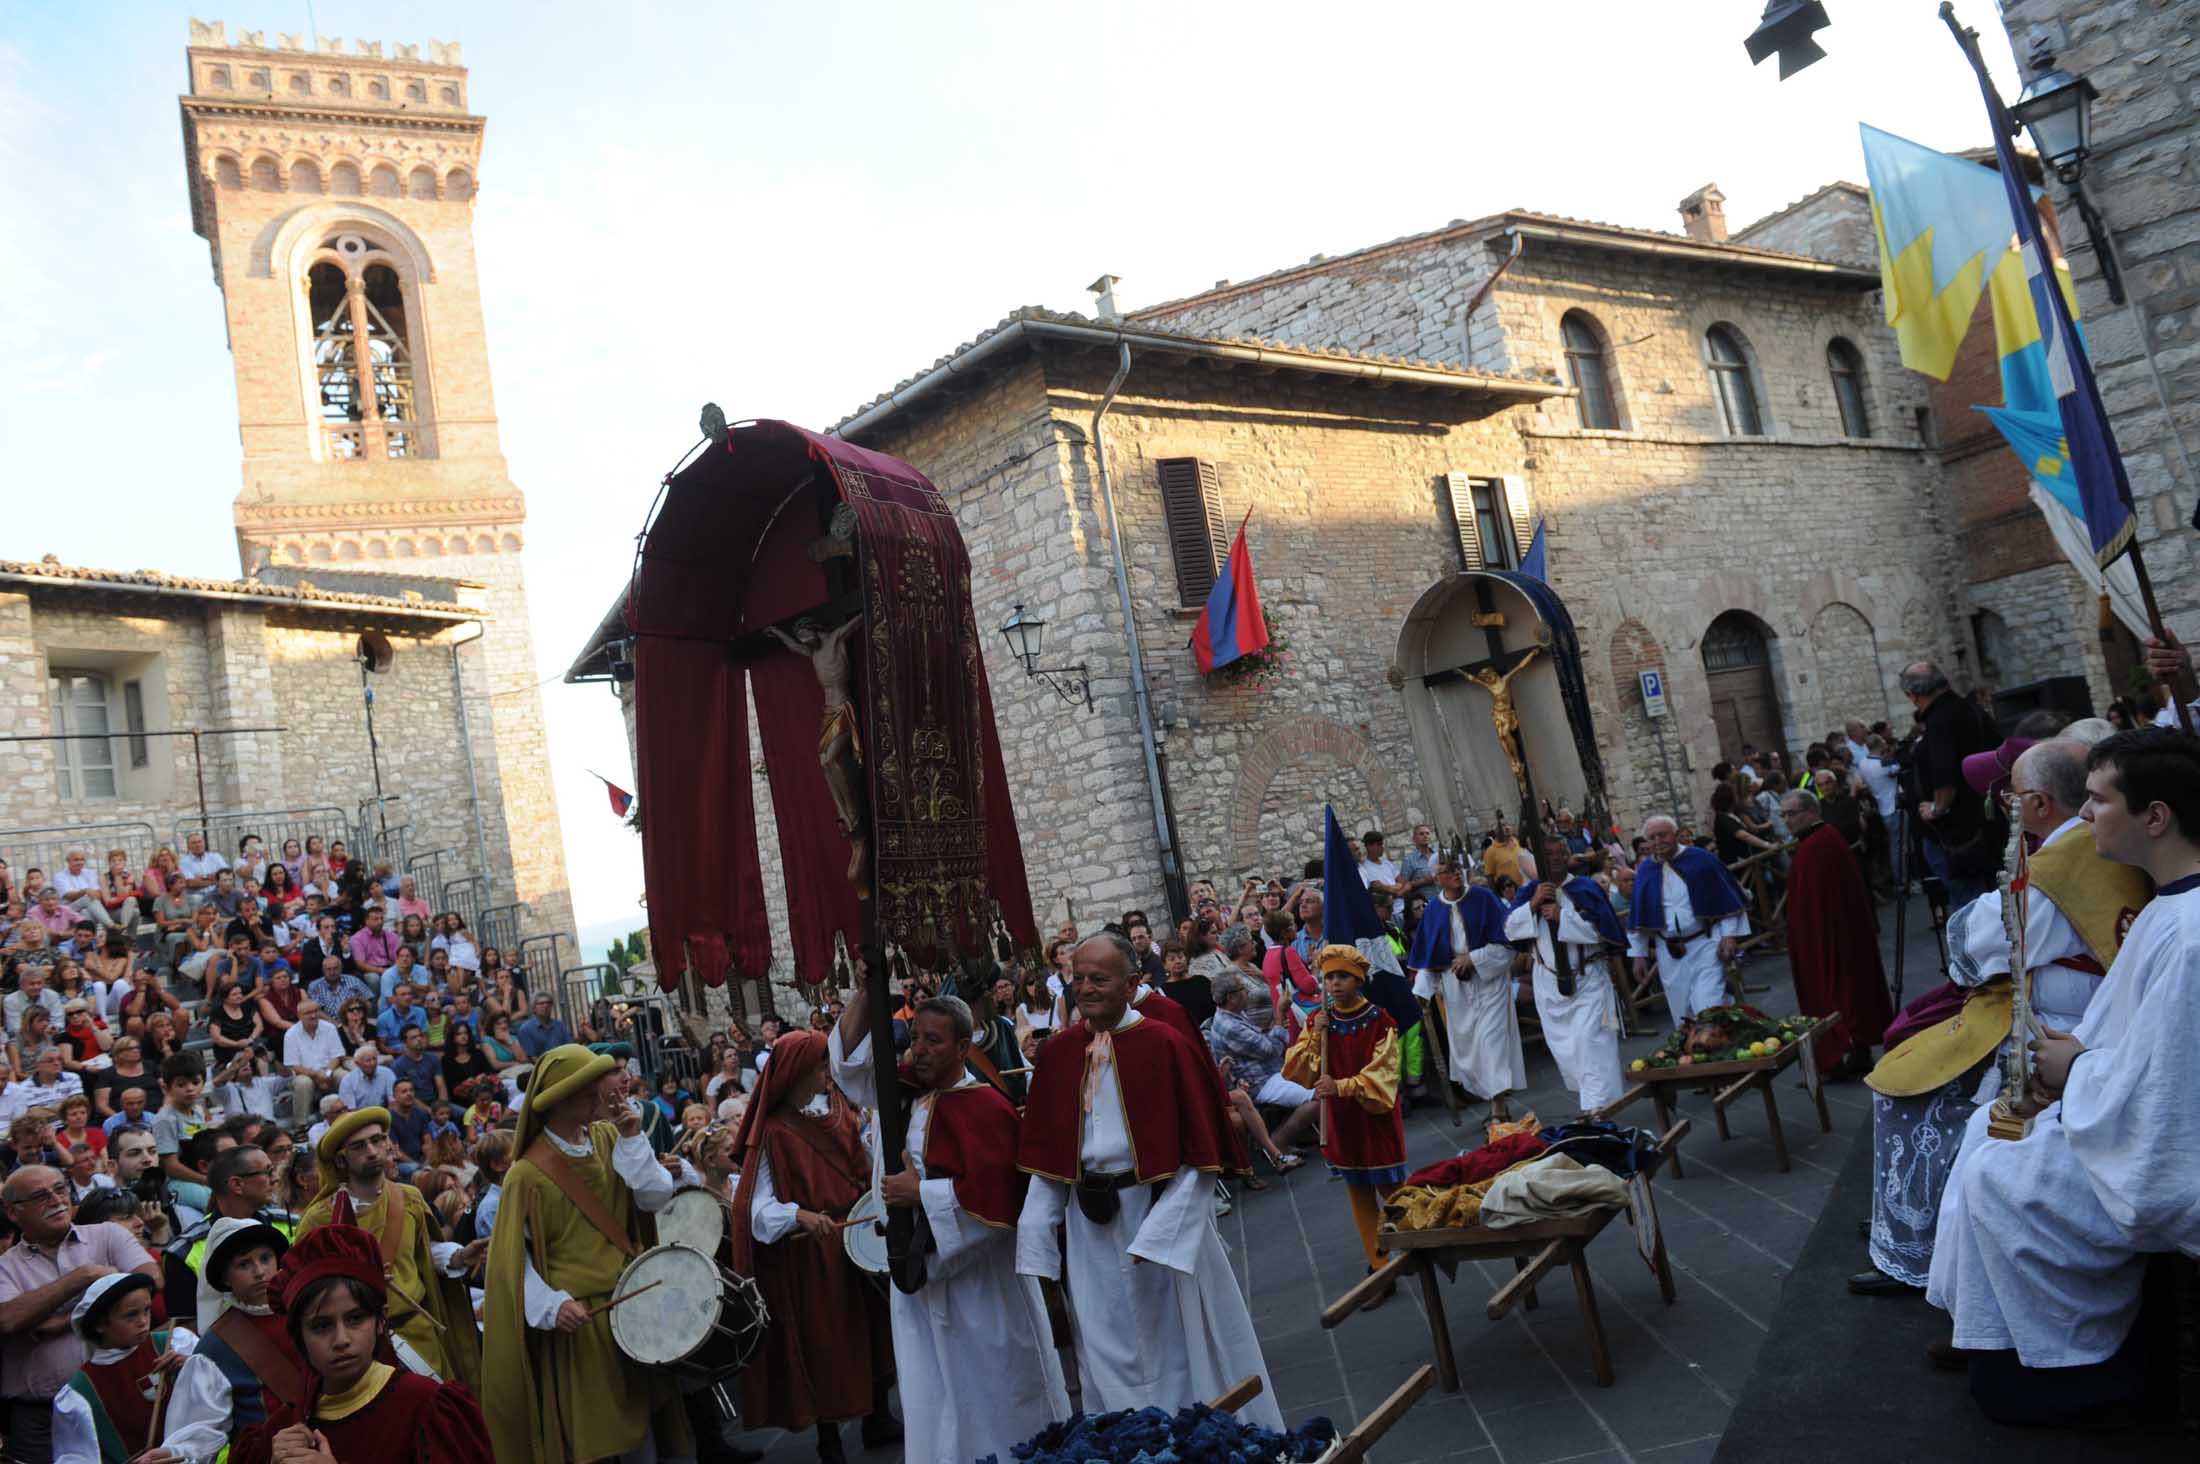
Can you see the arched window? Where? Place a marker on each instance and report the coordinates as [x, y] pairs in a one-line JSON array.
[[382, 183], [227, 174], [362, 352], [458, 185], [1847, 366], [378, 89], [415, 92], [339, 86], [1589, 370], [450, 96], [421, 183], [218, 78], [266, 176], [1729, 362], [300, 83], [343, 179], [305, 176]]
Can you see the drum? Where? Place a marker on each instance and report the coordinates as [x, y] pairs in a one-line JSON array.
[[865, 1233], [696, 1318], [693, 1218]]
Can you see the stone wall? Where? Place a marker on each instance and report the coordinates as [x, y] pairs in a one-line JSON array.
[[2144, 57], [1833, 223]]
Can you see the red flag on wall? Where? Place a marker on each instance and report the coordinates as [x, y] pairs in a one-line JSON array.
[[621, 800]]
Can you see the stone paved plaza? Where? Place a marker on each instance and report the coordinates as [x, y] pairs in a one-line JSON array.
[[1733, 1229]]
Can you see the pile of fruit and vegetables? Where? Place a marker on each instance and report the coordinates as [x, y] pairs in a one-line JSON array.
[[1738, 1033]]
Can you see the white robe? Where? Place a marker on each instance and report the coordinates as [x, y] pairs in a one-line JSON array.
[[1479, 1014], [75, 1431], [1581, 1030], [1697, 979], [1156, 1309], [973, 1350], [1915, 1140], [2043, 1240]]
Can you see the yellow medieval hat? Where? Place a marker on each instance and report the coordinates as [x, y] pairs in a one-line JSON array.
[[1341, 958], [1946, 1050], [332, 1143], [559, 1074]]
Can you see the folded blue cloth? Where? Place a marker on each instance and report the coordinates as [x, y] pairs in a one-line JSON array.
[[1196, 1435]]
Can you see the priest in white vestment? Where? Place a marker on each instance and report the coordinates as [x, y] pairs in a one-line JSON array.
[[1158, 1316], [2043, 1241], [1688, 911], [1461, 955], [1581, 1027], [973, 1351]]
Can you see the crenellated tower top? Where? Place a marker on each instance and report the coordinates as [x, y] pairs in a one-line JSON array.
[[318, 70]]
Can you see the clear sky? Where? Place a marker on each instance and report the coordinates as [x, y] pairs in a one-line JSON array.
[[787, 208]]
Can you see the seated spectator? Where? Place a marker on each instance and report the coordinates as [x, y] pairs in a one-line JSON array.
[[80, 888], [409, 903], [402, 1012], [77, 1127], [277, 999], [413, 931], [374, 947], [463, 1057], [440, 976], [499, 1046], [457, 942], [44, 1089], [31, 991], [82, 1036], [234, 1025], [333, 986], [201, 942], [313, 1052], [183, 1115], [294, 861], [543, 1030], [333, 1107], [403, 970], [502, 990], [227, 896], [33, 1042], [354, 1024], [409, 1123], [128, 1075], [368, 1083], [414, 1063], [107, 966], [278, 894], [118, 892], [161, 1041]]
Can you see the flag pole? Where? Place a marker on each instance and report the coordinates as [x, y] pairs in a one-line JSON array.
[[2004, 127]]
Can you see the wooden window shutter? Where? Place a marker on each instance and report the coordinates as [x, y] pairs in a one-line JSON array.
[[1516, 508], [1460, 489], [1191, 501]]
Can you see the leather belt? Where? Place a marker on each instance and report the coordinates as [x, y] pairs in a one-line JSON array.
[[1677, 946], [1100, 1196]]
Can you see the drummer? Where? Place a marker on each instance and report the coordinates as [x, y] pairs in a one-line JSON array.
[[575, 1208], [972, 1346], [828, 1356]]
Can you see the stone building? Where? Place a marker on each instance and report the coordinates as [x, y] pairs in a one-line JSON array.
[[1729, 462], [335, 191], [2143, 57]]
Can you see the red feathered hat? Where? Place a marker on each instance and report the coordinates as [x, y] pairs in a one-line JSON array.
[[332, 1250]]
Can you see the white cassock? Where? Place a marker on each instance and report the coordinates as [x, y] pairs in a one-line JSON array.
[[973, 1350], [75, 1432], [1915, 1139], [1696, 980], [1156, 1308], [1479, 1014], [2043, 1240], [1581, 1030]]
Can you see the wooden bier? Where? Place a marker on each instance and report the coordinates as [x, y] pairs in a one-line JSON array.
[[1535, 1250], [1757, 1072]]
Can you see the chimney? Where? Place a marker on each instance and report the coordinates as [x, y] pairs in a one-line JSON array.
[[1703, 215], [1104, 309]]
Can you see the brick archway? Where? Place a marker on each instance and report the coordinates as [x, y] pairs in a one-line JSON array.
[[1295, 743]]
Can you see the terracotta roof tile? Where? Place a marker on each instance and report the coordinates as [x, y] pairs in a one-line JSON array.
[[51, 568]]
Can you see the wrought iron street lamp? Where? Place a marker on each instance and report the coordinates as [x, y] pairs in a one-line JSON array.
[[1025, 635], [2057, 109]]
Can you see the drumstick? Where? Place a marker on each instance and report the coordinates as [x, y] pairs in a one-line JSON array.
[[413, 1302], [160, 1399], [595, 1312]]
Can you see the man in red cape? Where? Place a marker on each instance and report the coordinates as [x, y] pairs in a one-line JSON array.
[[828, 1355], [1126, 1115], [1833, 940]]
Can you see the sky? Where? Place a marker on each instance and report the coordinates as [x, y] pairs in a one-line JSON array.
[[789, 208]]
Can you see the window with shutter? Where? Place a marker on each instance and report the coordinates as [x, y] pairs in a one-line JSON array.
[[1191, 502], [1489, 515]]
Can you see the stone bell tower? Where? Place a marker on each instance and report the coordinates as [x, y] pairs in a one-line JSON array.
[[335, 189]]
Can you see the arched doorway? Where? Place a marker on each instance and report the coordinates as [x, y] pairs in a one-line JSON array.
[[1745, 704]]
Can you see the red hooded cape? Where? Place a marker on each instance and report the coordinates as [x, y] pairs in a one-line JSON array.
[[1175, 1120], [1157, 1006], [1833, 945], [829, 1328], [971, 1139]]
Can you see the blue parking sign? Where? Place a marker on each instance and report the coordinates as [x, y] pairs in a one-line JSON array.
[[1653, 693]]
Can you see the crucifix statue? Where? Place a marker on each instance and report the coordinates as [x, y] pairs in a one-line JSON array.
[[1495, 676], [839, 744]]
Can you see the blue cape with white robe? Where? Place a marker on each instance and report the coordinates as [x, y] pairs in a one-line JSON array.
[[1592, 904], [1480, 911], [1712, 892]]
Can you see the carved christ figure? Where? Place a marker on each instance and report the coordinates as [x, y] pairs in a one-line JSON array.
[[1502, 714], [839, 745]]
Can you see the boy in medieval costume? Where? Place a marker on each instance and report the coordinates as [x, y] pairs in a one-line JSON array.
[[828, 1355], [1128, 1115], [245, 1358], [110, 1412], [972, 1346], [433, 1310], [1460, 953], [360, 1408], [1363, 1132], [575, 1207]]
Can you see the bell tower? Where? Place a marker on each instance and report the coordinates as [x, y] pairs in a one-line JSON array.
[[335, 190]]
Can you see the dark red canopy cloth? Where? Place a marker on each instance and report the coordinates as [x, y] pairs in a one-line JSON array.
[[1833, 945], [724, 557]]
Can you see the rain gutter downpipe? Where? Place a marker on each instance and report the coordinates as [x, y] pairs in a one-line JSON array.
[[473, 782], [1172, 875]]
